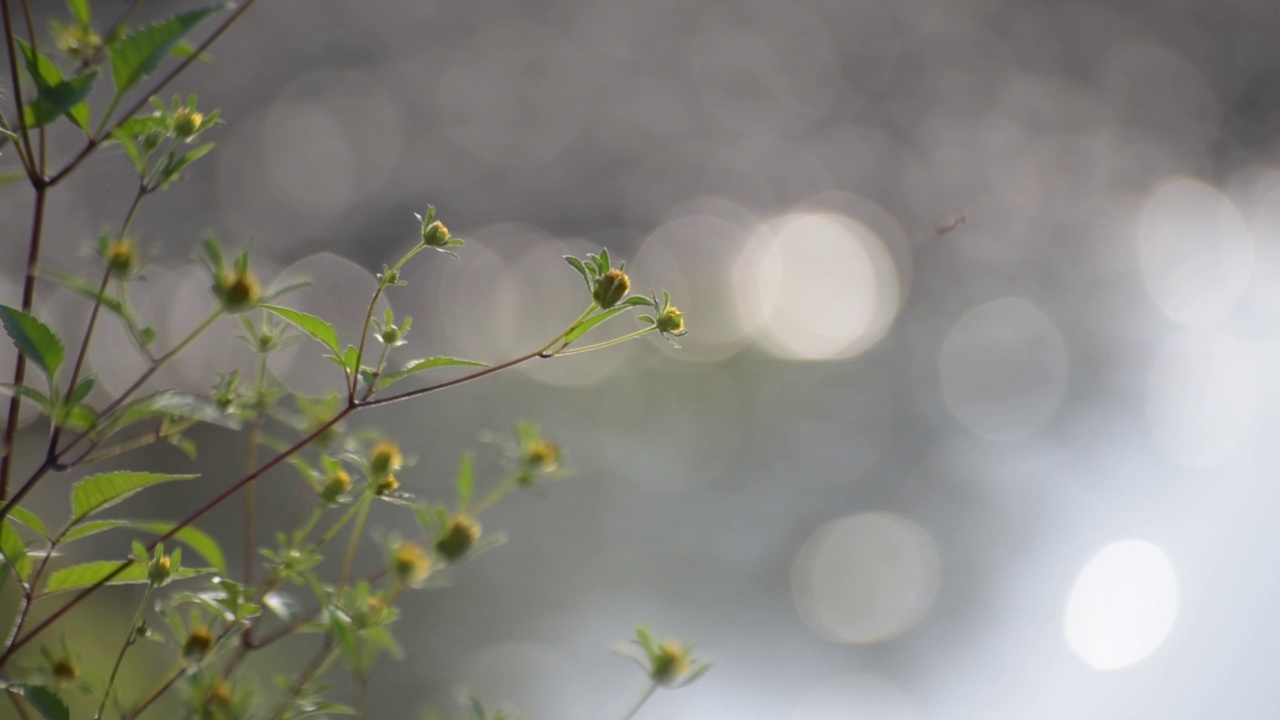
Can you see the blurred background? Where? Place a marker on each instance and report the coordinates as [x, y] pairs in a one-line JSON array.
[[983, 298]]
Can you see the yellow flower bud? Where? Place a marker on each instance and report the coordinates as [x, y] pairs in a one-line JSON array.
[[458, 537], [670, 663], [239, 292], [64, 670], [435, 234], [671, 321], [197, 643], [611, 288], [186, 123], [159, 571], [122, 257], [411, 563], [386, 486], [337, 484], [384, 458]]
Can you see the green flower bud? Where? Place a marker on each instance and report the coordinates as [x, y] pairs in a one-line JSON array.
[[387, 485], [335, 486], [197, 643], [384, 458], [64, 670], [458, 537], [186, 123], [435, 234], [670, 663], [671, 321], [122, 257], [611, 288], [390, 335], [158, 572], [411, 563], [238, 292]]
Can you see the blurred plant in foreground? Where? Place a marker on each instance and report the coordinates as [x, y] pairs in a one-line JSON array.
[[210, 619]]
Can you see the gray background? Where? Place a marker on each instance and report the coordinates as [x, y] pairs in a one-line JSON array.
[[1088, 358]]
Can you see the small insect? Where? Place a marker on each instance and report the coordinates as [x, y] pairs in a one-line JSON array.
[[951, 223]]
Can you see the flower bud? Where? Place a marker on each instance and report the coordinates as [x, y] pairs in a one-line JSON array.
[[186, 123], [335, 486], [458, 537], [671, 321], [239, 292], [611, 288], [221, 694], [384, 458], [197, 643], [670, 663], [390, 335], [64, 670], [158, 572], [122, 257], [411, 563], [386, 485], [435, 234]]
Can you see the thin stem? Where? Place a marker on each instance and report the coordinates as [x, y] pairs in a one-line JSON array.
[[316, 667], [10, 34], [22, 711], [640, 703], [98, 139], [250, 461], [606, 343], [156, 435], [493, 496], [80, 356], [360, 689], [128, 643], [156, 694], [28, 296], [357, 533]]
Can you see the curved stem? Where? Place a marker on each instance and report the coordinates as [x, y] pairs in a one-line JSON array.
[[640, 703], [128, 643], [357, 532], [606, 343]]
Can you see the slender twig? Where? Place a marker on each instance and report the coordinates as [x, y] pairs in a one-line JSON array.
[[326, 655], [160, 433], [96, 141], [10, 34], [20, 368], [128, 643], [640, 703], [156, 694], [450, 383], [250, 461], [606, 343], [80, 357], [357, 533]]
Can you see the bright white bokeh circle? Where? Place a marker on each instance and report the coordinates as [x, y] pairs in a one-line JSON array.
[[1003, 368], [1195, 251], [866, 578], [1122, 605], [817, 286]]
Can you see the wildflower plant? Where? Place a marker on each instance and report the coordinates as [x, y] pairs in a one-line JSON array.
[[207, 613]]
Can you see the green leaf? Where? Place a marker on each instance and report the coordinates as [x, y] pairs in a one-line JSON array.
[[89, 574], [81, 391], [28, 518], [11, 176], [317, 328], [192, 537], [82, 288], [57, 95], [585, 326], [80, 10], [466, 480], [176, 166], [179, 404], [14, 550], [34, 339], [44, 700], [98, 492], [137, 54], [30, 393], [93, 527], [417, 366], [184, 50], [581, 268]]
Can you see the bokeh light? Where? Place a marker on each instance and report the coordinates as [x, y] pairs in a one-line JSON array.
[[817, 286], [1122, 605], [1195, 251], [865, 578], [1003, 368]]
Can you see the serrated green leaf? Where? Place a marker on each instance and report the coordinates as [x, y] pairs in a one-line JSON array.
[[98, 492], [317, 328], [89, 574], [136, 55], [56, 94], [43, 699], [192, 537], [417, 366], [28, 518], [14, 550], [466, 481], [585, 326], [33, 339]]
